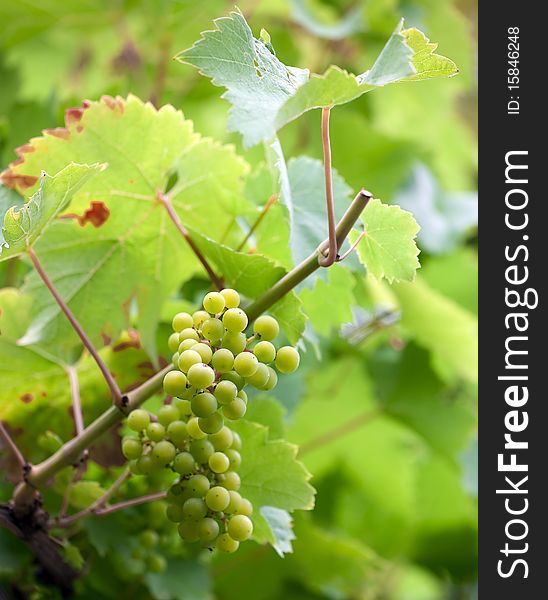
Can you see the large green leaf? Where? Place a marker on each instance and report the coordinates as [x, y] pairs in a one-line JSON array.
[[24, 226], [266, 94]]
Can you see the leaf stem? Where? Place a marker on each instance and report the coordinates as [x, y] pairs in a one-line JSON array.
[[270, 203], [4, 434], [333, 248], [310, 264], [165, 200], [131, 502], [113, 386], [76, 403]]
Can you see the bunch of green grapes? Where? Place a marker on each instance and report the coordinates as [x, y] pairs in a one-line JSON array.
[[214, 362]]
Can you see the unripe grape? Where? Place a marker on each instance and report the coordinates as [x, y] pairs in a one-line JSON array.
[[213, 330], [245, 508], [245, 364], [208, 529], [287, 359], [225, 391], [188, 530], [138, 419], [163, 452], [230, 480], [189, 334], [266, 328], [243, 395], [189, 393], [235, 410], [222, 440], [134, 467], [211, 424], [156, 563], [234, 501], [199, 317], [236, 379], [175, 360], [260, 378], [222, 360], [132, 448], [182, 321], [240, 528], [217, 498], [187, 359], [272, 380], [156, 432], [148, 539], [226, 544], [183, 406], [145, 464], [214, 303], [204, 350], [219, 462], [184, 463], [194, 430], [194, 509], [235, 320], [177, 432], [235, 342], [201, 450], [236, 441], [174, 383], [232, 298], [197, 486], [200, 376], [234, 457], [187, 345], [173, 342], [174, 513], [167, 414], [265, 351], [203, 405]]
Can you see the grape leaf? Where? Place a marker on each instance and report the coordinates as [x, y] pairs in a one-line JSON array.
[[135, 246], [182, 580], [266, 94], [388, 249], [304, 15], [24, 226], [8, 198], [281, 526]]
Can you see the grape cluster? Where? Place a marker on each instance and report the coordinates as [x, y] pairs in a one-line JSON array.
[[214, 361]]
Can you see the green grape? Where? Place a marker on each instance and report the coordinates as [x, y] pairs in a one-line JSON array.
[[287, 359], [222, 440], [204, 350], [138, 553], [225, 391], [234, 457], [203, 405], [138, 419], [219, 462], [213, 330], [265, 351], [177, 432], [199, 317], [235, 320], [176, 490], [175, 360], [174, 513], [240, 528], [163, 452], [167, 414], [222, 360], [211, 424], [214, 303], [260, 378], [235, 410], [235, 342], [156, 563], [194, 509], [245, 364], [183, 406], [217, 498], [187, 345], [174, 383], [236, 379], [134, 467], [146, 464], [208, 529], [194, 430], [148, 539], [187, 359], [266, 328], [188, 530], [201, 376], [232, 298], [184, 463], [245, 508], [189, 334], [156, 432], [226, 544], [173, 342], [201, 450], [243, 395], [230, 480], [182, 321], [156, 514], [132, 447], [234, 502], [197, 486], [272, 380], [189, 394], [236, 441]]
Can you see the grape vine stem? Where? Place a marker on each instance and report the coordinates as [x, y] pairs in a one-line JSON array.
[[112, 385]]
